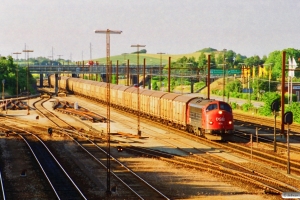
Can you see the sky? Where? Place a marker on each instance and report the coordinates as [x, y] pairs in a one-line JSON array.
[[66, 29]]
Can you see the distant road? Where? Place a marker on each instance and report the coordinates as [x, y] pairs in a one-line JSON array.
[[256, 104]]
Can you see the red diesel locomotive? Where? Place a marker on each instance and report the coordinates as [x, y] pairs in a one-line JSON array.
[[208, 118]]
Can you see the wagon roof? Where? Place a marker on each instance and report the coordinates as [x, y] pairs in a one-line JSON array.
[[113, 86], [148, 92], [64, 77], [99, 83], [103, 84], [123, 87], [131, 89], [72, 79], [185, 99], [170, 96], [134, 90], [89, 81], [158, 94], [76, 79]]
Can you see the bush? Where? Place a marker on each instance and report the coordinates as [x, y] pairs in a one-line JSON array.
[[268, 98], [233, 105], [247, 106]]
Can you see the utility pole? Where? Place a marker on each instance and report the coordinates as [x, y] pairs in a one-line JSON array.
[[108, 68], [27, 51], [138, 88], [17, 75]]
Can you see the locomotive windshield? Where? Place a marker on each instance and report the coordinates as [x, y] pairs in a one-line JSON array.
[[225, 106], [211, 107]]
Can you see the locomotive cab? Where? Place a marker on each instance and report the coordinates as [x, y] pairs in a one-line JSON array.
[[211, 119], [218, 120]]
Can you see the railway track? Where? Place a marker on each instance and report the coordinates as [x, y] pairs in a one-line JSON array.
[[59, 181], [230, 170], [263, 157], [137, 185], [44, 112], [126, 176], [280, 147], [267, 123], [270, 188], [2, 187]]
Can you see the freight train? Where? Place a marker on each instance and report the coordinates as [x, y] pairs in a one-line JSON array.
[[207, 118]]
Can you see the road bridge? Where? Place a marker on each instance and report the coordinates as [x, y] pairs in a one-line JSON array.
[[129, 71], [122, 70], [94, 69]]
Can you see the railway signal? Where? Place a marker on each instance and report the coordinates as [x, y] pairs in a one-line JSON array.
[[288, 119], [275, 108]]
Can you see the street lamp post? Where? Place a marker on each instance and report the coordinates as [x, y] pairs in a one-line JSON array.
[[138, 88], [17, 76], [108, 68], [27, 51]]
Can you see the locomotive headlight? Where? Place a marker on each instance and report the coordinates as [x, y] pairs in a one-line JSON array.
[[211, 122], [220, 112], [230, 122]]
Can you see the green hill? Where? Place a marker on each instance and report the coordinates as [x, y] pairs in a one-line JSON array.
[[151, 59]]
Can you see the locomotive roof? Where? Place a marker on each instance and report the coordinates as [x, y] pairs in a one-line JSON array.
[[200, 102]]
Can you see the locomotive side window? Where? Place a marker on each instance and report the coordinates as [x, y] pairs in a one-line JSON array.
[[226, 107], [211, 107]]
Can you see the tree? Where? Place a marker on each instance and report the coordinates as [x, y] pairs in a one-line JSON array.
[[253, 61], [140, 51], [202, 62], [212, 60], [219, 60], [275, 58], [268, 98], [234, 86], [295, 108], [239, 59], [230, 58], [8, 71], [208, 50]]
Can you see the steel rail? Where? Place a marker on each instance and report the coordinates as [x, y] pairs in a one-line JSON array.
[[121, 164], [2, 187], [53, 158], [37, 160]]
